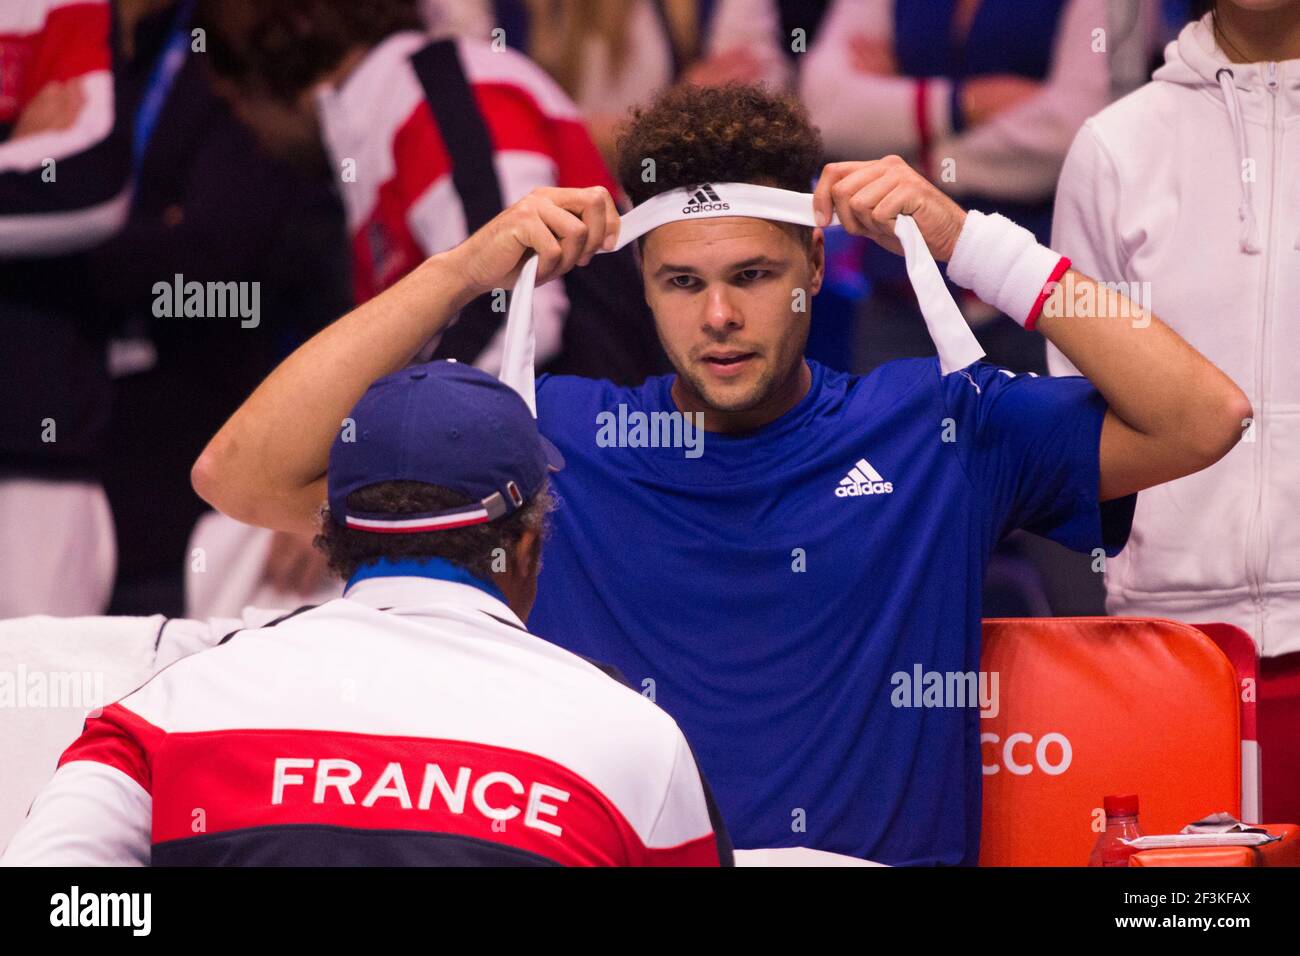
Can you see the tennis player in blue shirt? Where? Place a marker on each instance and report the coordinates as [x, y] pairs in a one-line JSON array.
[[769, 577]]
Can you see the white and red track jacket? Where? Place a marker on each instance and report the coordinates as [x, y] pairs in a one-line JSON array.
[[403, 196], [61, 190], [412, 722]]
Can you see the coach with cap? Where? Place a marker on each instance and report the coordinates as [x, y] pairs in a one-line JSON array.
[[412, 721]]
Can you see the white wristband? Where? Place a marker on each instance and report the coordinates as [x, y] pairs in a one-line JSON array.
[[1004, 265]]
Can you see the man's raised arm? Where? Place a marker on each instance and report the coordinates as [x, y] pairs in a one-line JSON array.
[[266, 466], [1171, 411]]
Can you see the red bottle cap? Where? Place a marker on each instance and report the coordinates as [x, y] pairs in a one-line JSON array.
[[1125, 805]]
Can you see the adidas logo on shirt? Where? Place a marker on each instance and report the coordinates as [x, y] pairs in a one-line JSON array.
[[705, 199], [862, 479]]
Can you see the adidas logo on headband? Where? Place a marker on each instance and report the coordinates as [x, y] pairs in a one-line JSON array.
[[705, 199]]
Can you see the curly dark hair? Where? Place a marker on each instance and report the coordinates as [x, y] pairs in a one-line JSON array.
[[285, 46], [705, 134], [471, 547]]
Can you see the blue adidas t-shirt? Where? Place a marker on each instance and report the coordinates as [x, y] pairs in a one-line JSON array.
[[768, 588]]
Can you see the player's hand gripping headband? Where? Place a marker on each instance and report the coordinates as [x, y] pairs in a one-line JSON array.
[[952, 337]]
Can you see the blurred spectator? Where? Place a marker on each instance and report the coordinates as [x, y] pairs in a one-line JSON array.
[[984, 96], [64, 187], [610, 55], [209, 206], [428, 140], [996, 87], [1185, 192]]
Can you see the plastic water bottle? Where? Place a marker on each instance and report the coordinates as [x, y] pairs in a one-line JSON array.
[[1121, 823]]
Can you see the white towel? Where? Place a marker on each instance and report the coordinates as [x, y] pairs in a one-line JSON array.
[[53, 670]]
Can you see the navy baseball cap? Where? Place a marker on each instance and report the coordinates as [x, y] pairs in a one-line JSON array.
[[442, 423]]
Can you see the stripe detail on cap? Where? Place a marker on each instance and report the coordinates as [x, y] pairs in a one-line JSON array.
[[493, 506]]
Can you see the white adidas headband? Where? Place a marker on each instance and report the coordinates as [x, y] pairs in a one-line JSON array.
[[952, 337]]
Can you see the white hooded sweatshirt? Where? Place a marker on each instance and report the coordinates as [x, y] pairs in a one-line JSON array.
[[1190, 186]]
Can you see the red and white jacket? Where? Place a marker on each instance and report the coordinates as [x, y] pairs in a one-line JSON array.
[[396, 172], [412, 722], [61, 190]]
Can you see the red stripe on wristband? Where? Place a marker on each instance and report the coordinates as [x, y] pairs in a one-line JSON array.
[[923, 127], [1055, 277]]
